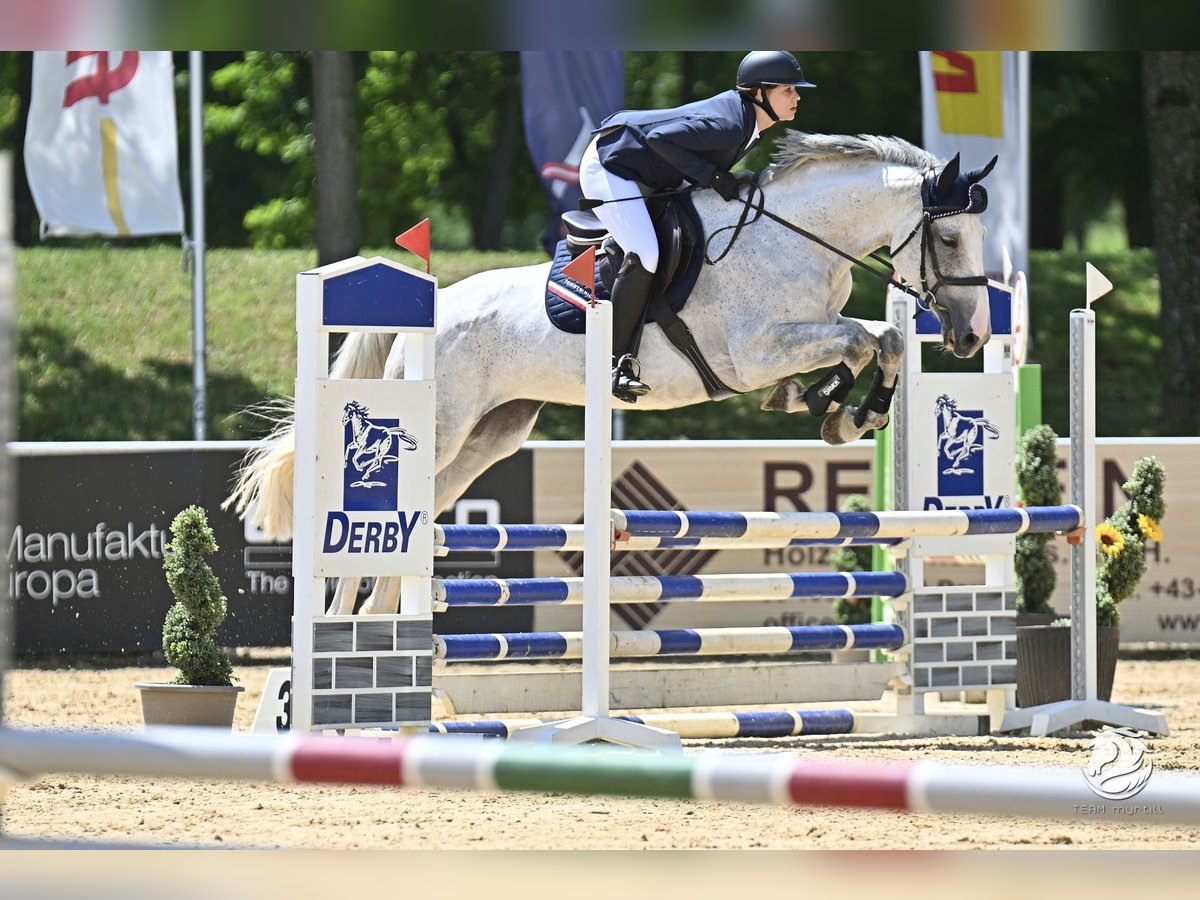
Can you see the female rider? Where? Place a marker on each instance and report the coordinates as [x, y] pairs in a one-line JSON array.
[[635, 153]]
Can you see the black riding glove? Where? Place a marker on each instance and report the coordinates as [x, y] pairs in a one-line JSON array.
[[725, 184]]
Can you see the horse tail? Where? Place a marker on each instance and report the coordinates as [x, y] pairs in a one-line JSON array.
[[362, 355], [263, 488], [264, 484]]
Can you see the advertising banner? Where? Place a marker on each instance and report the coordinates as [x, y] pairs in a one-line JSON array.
[[976, 102], [85, 556], [100, 148]]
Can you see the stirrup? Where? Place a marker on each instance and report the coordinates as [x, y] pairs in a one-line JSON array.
[[626, 380]]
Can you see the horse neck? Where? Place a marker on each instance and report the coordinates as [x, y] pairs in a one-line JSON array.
[[857, 206]]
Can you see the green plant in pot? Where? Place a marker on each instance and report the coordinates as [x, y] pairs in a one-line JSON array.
[[203, 692], [1044, 654], [1037, 477], [1122, 538]]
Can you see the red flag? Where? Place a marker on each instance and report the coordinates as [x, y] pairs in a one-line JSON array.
[[416, 239], [583, 269]]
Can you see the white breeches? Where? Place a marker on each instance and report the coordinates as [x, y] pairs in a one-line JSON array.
[[628, 222]]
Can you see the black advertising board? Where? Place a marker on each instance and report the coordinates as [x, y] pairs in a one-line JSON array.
[[85, 555]]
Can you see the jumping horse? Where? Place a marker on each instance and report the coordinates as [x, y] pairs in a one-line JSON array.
[[769, 311]]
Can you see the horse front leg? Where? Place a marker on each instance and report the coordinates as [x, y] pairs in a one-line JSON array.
[[850, 422], [850, 345]]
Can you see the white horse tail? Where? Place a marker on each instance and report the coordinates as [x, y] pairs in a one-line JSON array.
[[362, 355], [265, 482], [264, 485]]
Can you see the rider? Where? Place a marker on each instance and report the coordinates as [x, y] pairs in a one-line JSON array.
[[639, 153]]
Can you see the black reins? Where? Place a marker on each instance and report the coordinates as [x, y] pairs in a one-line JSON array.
[[926, 296]]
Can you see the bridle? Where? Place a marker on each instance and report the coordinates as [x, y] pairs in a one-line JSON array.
[[925, 295]]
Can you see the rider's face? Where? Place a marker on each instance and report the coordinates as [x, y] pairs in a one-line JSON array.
[[783, 98]]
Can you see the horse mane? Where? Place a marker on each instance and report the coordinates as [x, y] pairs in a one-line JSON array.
[[798, 148]]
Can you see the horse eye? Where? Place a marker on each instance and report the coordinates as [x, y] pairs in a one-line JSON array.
[[949, 240]]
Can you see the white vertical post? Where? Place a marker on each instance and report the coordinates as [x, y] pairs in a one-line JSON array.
[[1083, 495], [199, 318], [597, 520], [8, 415], [312, 367], [1084, 705], [594, 722]]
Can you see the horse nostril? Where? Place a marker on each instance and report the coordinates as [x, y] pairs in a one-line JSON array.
[[969, 340]]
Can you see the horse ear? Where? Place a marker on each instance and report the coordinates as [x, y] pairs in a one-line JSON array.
[[947, 177], [978, 174]]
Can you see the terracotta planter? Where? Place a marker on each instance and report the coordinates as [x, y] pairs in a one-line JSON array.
[[1044, 663], [185, 704]]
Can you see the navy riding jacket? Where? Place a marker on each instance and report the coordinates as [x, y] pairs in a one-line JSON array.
[[660, 147]]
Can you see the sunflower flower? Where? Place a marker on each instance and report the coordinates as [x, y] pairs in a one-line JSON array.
[[1149, 528], [1111, 540]]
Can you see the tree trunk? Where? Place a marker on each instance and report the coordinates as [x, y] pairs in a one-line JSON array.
[[1172, 88], [335, 124], [24, 211], [497, 185]]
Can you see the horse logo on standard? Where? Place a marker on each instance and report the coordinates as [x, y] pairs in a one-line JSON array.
[[371, 461], [1119, 767], [960, 448]]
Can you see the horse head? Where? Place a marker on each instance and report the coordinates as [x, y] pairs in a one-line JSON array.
[[950, 266], [354, 412]]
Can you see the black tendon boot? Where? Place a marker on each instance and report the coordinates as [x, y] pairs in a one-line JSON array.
[[630, 296]]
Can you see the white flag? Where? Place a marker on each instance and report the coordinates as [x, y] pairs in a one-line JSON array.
[[100, 149], [977, 102]]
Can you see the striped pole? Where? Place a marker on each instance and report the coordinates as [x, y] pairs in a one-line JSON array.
[[695, 726], [673, 642], [892, 524], [453, 592], [438, 761], [494, 538]]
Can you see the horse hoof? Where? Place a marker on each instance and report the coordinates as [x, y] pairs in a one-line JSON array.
[[837, 428]]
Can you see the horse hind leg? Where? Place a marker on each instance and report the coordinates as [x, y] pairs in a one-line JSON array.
[[498, 434]]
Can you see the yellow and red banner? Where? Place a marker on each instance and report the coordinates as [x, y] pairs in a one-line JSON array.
[[101, 145], [976, 102]]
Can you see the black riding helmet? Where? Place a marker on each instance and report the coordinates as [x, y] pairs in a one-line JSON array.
[[762, 68]]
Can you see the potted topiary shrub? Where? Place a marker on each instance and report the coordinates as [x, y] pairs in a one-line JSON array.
[[1037, 477], [1044, 659], [203, 693], [852, 610]]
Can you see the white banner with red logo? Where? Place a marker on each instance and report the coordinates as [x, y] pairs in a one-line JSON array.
[[101, 147], [976, 102]]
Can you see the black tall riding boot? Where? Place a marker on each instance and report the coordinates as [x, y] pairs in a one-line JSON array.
[[630, 296]]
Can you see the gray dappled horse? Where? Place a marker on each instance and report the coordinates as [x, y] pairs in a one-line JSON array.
[[770, 309]]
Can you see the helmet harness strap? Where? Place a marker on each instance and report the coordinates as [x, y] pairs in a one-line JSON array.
[[764, 104]]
